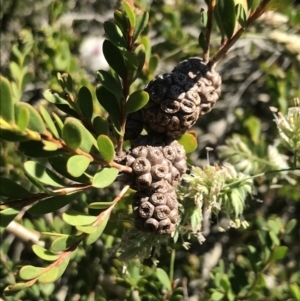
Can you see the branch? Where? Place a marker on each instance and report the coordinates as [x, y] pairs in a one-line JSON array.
[[210, 10], [231, 41]]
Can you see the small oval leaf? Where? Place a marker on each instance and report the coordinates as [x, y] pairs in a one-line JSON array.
[[77, 165], [85, 102], [11, 189], [163, 278], [114, 34], [29, 272], [6, 101], [136, 101], [49, 122], [100, 205], [105, 177], [44, 254], [130, 13], [189, 142], [106, 148], [110, 83], [75, 218], [6, 217], [226, 12], [50, 275], [141, 23], [71, 133]]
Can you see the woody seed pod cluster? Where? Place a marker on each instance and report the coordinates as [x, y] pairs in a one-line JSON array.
[[177, 99], [158, 164]]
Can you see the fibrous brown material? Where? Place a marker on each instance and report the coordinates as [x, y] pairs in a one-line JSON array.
[[177, 99]]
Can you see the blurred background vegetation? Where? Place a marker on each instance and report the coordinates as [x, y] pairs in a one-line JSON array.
[[43, 37]]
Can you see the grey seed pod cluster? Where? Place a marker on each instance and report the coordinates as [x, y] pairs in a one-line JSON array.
[[153, 160], [177, 99]]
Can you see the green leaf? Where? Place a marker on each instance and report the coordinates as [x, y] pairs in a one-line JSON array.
[[85, 102], [202, 40], [109, 102], [279, 253], [141, 23], [35, 149], [100, 205], [105, 177], [53, 203], [279, 4], [77, 165], [91, 238], [54, 98], [60, 165], [114, 58], [59, 122], [164, 278], [86, 229], [49, 122], [9, 135], [100, 125], [241, 15], [63, 243], [62, 267], [295, 291], [22, 118], [75, 218], [110, 83], [44, 254], [43, 174], [12, 289], [114, 34], [216, 296], [106, 148], [50, 275], [29, 272], [49, 146], [140, 53], [153, 63], [290, 226], [275, 225], [136, 101], [65, 81], [11, 189], [6, 217], [203, 17], [130, 13], [274, 238], [36, 122], [122, 21], [71, 133], [6, 101], [189, 142], [252, 4], [253, 125], [226, 12]]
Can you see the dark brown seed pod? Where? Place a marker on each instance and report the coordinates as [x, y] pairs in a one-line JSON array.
[[155, 155], [139, 223], [170, 152], [158, 199], [161, 212], [159, 171], [151, 225], [140, 151], [143, 181], [181, 166], [173, 216], [141, 166], [165, 226], [139, 198], [146, 210]]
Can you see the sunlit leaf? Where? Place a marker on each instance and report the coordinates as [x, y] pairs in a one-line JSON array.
[[189, 142], [29, 272], [136, 101], [105, 177], [75, 218], [77, 165], [71, 133], [35, 149], [6, 101], [22, 118], [141, 23], [279, 253], [130, 13], [106, 148], [63, 243], [87, 229], [164, 278], [44, 254], [100, 205], [12, 289], [49, 122], [6, 217], [114, 34], [50, 275]]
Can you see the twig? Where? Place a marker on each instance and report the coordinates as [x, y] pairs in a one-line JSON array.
[[24, 234], [231, 41], [210, 9]]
